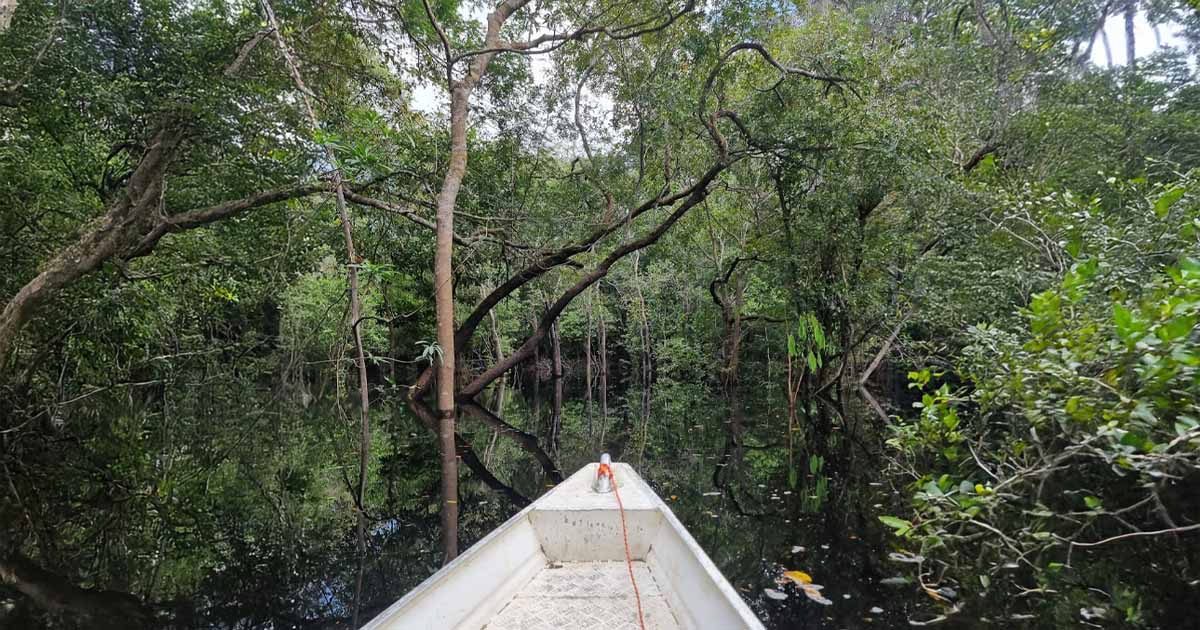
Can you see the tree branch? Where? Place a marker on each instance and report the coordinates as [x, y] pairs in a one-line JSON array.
[[551, 260], [557, 40], [699, 193]]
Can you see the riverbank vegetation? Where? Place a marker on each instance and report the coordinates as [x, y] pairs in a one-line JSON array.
[[287, 283]]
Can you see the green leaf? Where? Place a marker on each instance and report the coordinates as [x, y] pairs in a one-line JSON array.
[[1123, 318], [901, 526], [812, 362], [1177, 328], [1164, 202], [1093, 503]]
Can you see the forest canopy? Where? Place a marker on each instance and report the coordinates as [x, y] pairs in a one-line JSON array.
[[287, 282]]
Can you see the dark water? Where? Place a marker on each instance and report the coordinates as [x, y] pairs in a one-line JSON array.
[[723, 465], [264, 535]]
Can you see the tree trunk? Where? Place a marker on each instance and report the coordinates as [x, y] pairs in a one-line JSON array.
[[498, 398], [1108, 58], [560, 257], [557, 377], [556, 351], [883, 352], [1130, 42], [587, 361], [646, 364], [525, 441], [790, 241], [132, 225], [443, 281], [603, 369], [468, 456], [443, 271], [7, 9]]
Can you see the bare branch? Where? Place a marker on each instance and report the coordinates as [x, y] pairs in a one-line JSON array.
[[552, 41], [710, 119], [699, 193], [437, 26], [1173, 530]]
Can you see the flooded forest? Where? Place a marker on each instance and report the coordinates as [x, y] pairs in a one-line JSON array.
[[895, 304]]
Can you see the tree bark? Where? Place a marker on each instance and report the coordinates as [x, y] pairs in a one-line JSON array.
[[587, 361], [444, 305], [460, 95], [130, 216], [1130, 42], [7, 9], [132, 225], [603, 386]]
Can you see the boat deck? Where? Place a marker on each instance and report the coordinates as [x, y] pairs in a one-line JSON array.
[[586, 596]]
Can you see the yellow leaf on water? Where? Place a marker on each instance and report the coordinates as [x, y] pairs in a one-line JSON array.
[[934, 595], [798, 577]]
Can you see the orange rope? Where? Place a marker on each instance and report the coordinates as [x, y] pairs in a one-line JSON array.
[[625, 534]]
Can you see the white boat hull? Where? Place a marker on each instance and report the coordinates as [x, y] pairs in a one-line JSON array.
[[560, 563]]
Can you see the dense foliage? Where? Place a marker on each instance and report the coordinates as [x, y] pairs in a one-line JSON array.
[[715, 232]]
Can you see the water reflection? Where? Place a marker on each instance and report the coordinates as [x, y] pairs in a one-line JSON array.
[[761, 499], [724, 466]]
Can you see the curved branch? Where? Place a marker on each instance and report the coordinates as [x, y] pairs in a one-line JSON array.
[[203, 216], [710, 119], [1173, 530], [551, 260], [557, 40], [527, 441], [467, 453], [601, 270]]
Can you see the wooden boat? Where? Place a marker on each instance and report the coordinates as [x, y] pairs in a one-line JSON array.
[[561, 563]]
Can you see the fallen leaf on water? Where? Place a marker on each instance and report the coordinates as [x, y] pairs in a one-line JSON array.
[[774, 594], [813, 591], [799, 577], [935, 595]]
